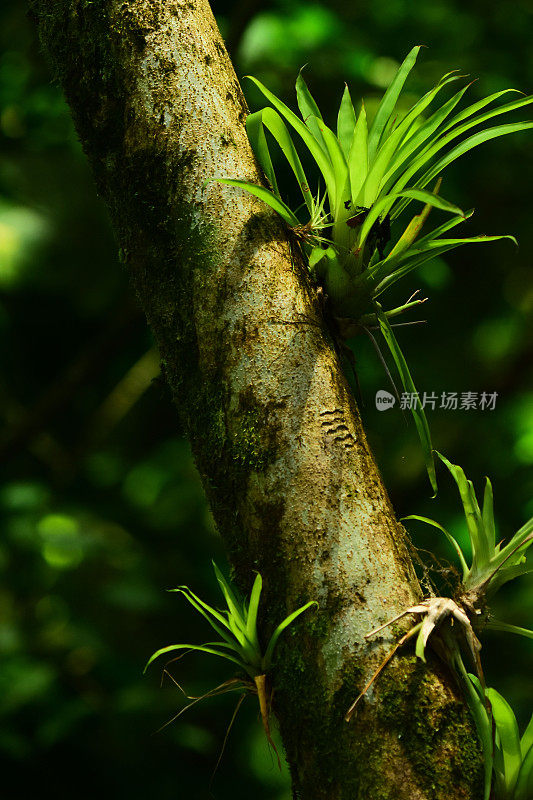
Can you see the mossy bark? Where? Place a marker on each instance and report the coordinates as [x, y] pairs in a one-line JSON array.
[[275, 432]]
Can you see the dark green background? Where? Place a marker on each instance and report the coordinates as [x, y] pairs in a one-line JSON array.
[[102, 509]]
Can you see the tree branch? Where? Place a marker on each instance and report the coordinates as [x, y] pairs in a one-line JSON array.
[[273, 426]]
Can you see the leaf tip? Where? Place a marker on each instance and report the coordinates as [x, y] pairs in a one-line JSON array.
[[148, 663]]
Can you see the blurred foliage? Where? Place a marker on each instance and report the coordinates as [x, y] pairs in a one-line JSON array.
[[100, 503]]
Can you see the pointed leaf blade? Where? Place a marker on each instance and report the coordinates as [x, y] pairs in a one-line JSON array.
[[321, 158], [266, 196], [346, 122], [253, 608], [482, 720], [505, 627], [415, 144], [309, 110], [507, 728], [358, 156], [274, 123], [208, 613], [469, 144], [524, 783], [257, 138], [388, 102], [488, 515], [281, 627], [480, 546], [409, 386], [199, 647], [527, 738], [340, 171]]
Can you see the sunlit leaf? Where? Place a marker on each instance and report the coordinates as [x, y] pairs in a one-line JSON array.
[[309, 110], [172, 648], [524, 782], [346, 121], [321, 158], [507, 728], [266, 196], [388, 103], [358, 156]]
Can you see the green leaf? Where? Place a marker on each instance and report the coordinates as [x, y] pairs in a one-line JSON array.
[[431, 199], [408, 385], [267, 197], [309, 110], [236, 621], [382, 207], [506, 574], [273, 122], [527, 738], [473, 141], [207, 612], [488, 515], [505, 627], [346, 121], [386, 273], [340, 172], [481, 554], [526, 742], [469, 111], [388, 102], [411, 232], [463, 147], [524, 782], [251, 620], [317, 254], [446, 226], [422, 137], [482, 720], [200, 604], [518, 539], [438, 243], [436, 143], [358, 157], [231, 600], [479, 688], [321, 158], [507, 728], [451, 539], [256, 135], [389, 148], [279, 630], [200, 647]]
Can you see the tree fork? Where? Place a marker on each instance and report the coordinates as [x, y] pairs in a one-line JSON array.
[[274, 429]]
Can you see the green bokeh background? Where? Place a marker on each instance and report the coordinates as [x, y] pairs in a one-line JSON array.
[[100, 503]]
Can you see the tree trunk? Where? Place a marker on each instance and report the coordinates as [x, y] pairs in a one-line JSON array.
[[260, 391]]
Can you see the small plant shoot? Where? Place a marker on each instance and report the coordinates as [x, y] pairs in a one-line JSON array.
[[351, 230], [238, 641], [492, 564], [454, 625]]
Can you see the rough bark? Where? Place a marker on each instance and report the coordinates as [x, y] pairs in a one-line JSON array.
[[274, 429]]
